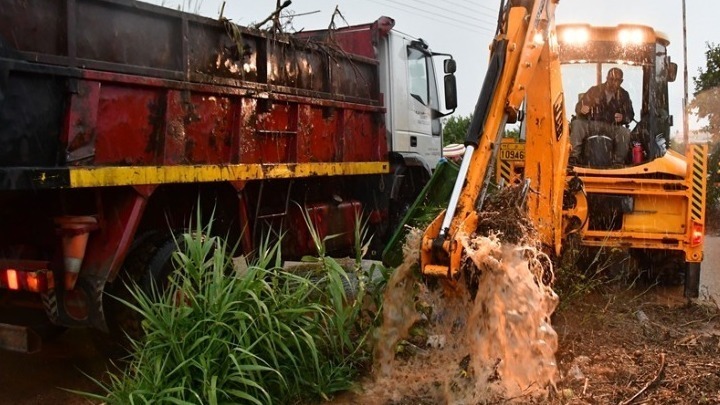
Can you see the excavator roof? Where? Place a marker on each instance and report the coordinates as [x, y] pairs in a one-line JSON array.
[[633, 34], [632, 44]]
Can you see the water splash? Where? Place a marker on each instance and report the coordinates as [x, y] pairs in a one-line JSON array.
[[495, 343], [509, 332]]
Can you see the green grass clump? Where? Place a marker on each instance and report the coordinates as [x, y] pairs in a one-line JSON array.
[[260, 334]]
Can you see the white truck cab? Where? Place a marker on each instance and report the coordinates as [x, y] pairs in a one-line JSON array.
[[410, 85]]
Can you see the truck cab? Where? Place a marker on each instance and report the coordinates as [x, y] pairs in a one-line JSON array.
[[410, 86], [412, 93]]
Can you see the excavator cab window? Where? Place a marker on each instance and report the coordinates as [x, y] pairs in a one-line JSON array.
[[588, 52], [579, 78], [664, 72], [647, 69]]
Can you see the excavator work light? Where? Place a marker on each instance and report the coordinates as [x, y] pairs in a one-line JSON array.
[[538, 38], [631, 36], [575, 36]]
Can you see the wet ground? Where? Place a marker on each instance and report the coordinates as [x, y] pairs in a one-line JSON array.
[[62, 364], [710, 273], [42, 378]]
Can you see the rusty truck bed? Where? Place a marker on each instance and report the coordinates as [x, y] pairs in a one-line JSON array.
[[104, 83]]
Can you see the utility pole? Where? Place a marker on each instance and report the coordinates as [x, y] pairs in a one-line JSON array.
[[686, 130]]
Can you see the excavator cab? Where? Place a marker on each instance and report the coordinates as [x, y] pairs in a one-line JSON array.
[[587, 53], [653, 207]]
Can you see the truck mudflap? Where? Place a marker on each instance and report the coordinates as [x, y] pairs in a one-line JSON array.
[[19, 339]]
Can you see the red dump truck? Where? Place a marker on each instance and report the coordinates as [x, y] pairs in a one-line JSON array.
[[119, 118]]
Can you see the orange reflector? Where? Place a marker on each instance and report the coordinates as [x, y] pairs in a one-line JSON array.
[[12, 279], [33, 282], [697, 234]]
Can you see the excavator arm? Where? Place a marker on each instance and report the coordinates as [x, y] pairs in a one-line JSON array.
[[524, 66]]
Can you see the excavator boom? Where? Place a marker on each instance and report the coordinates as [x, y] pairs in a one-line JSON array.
[[523, 60]]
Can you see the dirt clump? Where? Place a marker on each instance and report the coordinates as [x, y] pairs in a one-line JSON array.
[[503, 214]]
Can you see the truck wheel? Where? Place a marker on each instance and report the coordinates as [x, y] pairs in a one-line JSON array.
[[160, 267], [411, 183], [121, 320], [150, 267], [692, 280]]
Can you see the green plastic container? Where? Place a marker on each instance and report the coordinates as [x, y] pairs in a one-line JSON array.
[[433, 198]]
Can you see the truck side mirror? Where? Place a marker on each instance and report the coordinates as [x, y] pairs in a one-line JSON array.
[[449, 66], [450, 92], [672, 71]]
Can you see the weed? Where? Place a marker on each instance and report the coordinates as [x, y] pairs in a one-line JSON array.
[[582, 270], [260, 334]]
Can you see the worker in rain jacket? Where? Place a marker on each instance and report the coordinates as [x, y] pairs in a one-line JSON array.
[[604, 111]]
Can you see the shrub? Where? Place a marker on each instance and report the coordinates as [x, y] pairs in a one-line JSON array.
[[260, 334]]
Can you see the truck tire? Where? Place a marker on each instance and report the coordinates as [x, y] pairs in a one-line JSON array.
[[411, 182], [692, 280], [122, 321], [160, 267]]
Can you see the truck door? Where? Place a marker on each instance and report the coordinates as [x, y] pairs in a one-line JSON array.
[[414, 96]]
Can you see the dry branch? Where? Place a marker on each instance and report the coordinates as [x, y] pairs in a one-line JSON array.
[[654, 382]]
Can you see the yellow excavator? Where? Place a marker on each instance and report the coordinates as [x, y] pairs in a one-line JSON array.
[[652, 206]]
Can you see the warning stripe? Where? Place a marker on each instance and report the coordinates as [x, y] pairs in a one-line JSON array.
[[505, 171], [699, 172]]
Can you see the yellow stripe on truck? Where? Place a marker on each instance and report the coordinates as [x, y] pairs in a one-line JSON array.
[[139, 175]]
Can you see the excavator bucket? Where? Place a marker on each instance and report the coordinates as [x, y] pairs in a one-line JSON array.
[[432, 200]]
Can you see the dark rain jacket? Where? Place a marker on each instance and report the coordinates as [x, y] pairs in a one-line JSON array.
[[603, 110]]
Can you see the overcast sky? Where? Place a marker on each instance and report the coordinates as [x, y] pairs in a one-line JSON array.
[[464, 28]]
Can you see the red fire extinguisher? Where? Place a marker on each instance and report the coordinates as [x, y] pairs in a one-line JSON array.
[[637, 153]]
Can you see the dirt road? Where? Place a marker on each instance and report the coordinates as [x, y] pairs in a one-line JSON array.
[[41, 378], [710, 273]]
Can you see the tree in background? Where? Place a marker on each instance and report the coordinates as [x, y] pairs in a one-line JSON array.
[[707, 106], [707, 91], [455, 128]]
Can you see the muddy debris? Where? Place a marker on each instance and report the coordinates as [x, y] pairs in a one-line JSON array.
[[618, 343]]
